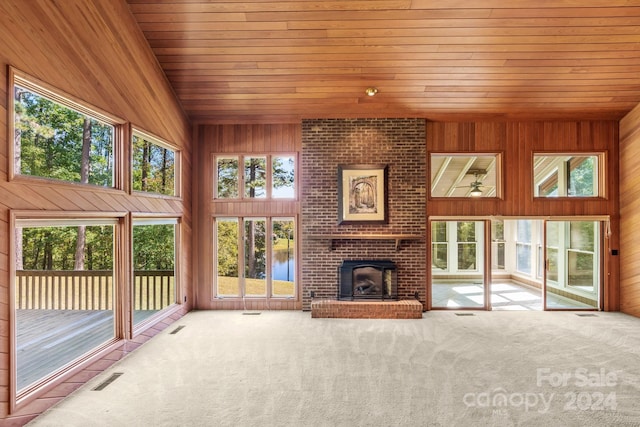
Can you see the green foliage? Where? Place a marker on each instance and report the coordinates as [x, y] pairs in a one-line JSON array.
[[227, 178], [255, 248], [283, 175], [154, 247], [53, 248], [255, 176], [581, 176], [227, 248], [153, 168], [49, 140]]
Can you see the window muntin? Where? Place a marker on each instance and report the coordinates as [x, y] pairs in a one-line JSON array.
[[64, 294], [255, 177], [154, 261], [568, 175], [153, 166], [53, 139], [466, 175]]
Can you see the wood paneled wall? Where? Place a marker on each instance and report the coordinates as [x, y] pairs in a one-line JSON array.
[[518, 141], [630, 213], [94, 52], [238, 140]]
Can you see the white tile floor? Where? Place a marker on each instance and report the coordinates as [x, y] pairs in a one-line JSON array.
[[505, 295]]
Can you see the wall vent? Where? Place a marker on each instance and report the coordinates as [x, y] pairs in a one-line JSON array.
[[176, 330], [108, 381]]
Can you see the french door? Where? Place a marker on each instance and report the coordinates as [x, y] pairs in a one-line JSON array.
[[458, 270], [525, 264], [572, 261], [254, 257]]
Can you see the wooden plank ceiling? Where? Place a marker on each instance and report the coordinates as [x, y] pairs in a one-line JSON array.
[[280, 61]]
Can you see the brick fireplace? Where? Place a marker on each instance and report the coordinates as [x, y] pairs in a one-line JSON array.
[[401, 145]]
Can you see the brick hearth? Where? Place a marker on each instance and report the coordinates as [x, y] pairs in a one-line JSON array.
[[404, 309]]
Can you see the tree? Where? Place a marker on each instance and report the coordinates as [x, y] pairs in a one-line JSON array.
[[227, 178], [84, 179]]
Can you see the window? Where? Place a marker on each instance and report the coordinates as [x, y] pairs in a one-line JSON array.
[[498, 243], [523, 247], [467, 246], [282, 172], [581, 255], [568, 175], [283, 257], [153, 166], [439, 246], [64, 294], [267, 260], [466, 175], [553, 245], [227, 178], [255, 257], [226, 254], [255, 177], [58, 139], [154, 260]]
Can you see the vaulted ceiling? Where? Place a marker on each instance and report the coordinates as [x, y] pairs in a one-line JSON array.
[[279, 61]]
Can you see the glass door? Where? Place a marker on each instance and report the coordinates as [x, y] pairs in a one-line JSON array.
[[572, 265], [458, 277]]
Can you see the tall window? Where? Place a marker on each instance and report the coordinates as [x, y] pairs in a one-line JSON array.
[[553, 244], [581, 255], [154, 260], [255, 257], [439, 246], [467, 246], [61, 140], [263, 249], [255, 177], [227, 257], [498, 243], [523, 246], [153, 166], [283, 257], [64, 294]]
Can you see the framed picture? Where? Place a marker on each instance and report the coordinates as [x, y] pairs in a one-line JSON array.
[[362, 194]]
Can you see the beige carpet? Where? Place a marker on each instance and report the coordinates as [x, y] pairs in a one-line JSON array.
[[286, 369]]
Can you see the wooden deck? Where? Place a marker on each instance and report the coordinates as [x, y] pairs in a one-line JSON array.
[[47, 340]]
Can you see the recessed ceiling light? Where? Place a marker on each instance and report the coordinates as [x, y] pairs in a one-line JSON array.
[[371, 91]]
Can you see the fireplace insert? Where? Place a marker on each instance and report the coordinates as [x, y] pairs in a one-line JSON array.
[[368, 279]]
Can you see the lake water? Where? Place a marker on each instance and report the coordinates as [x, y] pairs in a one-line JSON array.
[[283, 266]]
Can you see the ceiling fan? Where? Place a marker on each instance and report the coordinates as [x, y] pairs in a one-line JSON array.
[[475, 186]]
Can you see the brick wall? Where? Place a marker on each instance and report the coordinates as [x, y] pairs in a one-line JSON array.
[[398, 143]]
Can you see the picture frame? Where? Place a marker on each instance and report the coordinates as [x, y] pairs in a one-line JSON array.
[[362, 194]]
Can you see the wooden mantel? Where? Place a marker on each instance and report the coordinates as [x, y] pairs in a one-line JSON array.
[[397, 237]]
